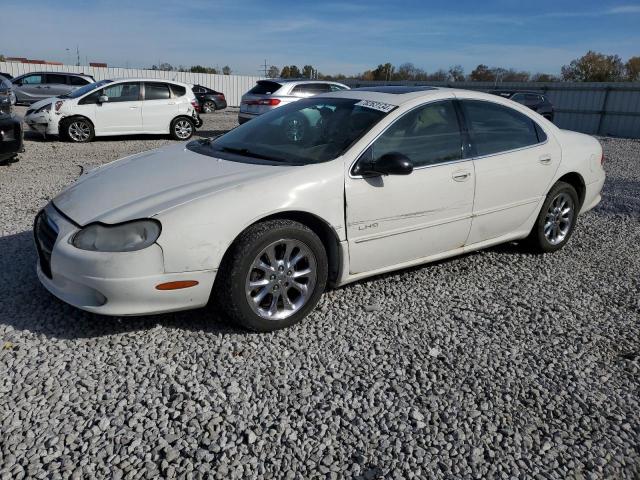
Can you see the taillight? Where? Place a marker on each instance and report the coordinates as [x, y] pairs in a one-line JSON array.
[[221, 95], [270, 101], [59, 105], [195, 105], [602, 158]]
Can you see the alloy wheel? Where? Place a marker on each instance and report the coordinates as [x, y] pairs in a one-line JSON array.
[[79, 131], [281, 279], [183, 129], [559, 218], [208, 107]]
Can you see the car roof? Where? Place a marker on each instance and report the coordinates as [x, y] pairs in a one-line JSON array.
[[513, 92], [300, 81], [43, 72], [401, 95], [155, 80]]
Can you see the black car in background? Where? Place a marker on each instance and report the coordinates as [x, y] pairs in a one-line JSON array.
[[10, 136], [535, 101], [209, 99]]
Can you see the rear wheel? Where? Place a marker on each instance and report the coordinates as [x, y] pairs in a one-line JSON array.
[[182, 128], [556, 220], [273, 275], [208, 107]]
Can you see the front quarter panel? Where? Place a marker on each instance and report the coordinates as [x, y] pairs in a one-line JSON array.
[[196, 234]]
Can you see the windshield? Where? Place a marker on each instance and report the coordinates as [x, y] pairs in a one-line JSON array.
[[308, 131], [86, 89]]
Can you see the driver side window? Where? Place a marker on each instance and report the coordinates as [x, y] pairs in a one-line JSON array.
[[427, 135]]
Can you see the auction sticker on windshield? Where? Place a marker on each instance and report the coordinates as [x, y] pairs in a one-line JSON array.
[[381, 106]]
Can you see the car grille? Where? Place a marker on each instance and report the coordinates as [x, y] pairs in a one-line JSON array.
[[45, 232]]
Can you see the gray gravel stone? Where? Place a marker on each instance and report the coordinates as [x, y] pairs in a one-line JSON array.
[[536, 373]]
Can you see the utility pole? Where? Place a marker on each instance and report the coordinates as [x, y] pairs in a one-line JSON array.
[[78, 54], [265, 68]]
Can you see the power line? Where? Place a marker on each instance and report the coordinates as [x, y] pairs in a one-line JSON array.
[[265, 68]]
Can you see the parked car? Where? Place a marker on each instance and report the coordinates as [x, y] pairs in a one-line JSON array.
[[6, 75], [534, 100], [35, 86], [329, 189], [270, 94], [209, 100], [7, 97], [118, 107], [10, 137]]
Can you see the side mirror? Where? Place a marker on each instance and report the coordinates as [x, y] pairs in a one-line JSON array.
[[392, 163], [103, 99]]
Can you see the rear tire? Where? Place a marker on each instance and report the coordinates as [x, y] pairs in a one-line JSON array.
[[208, 107], [557, 219], [182, 128], [272, 276]]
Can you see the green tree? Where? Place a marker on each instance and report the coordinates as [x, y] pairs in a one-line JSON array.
[[285, 73], [512, 75], [307, 71], [544, 77], [482, 73], [456, 73], [632, 69], [226, 70], [594, 67], [2, 58], [273, 72]]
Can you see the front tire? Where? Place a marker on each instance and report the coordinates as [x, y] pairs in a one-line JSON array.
[[182, 128], [78, 130], [272, 276], [557, 219]]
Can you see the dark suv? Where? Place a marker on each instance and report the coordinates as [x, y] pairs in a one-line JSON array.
[[535, 101]]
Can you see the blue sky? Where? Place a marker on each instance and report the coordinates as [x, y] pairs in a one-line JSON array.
[[347, 37]]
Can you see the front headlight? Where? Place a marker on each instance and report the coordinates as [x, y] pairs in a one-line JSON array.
[[44, 108], [125, 237]]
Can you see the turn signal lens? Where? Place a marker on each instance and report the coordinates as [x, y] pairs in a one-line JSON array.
[[177, 285]]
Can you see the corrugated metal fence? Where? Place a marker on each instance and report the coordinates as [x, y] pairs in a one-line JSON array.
[[611, 109], [233, 86]]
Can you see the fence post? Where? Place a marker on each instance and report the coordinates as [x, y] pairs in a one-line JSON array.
[[603, 110]]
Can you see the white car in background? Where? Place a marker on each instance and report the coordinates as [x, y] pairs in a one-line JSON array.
[[263, 217], [118, 107]]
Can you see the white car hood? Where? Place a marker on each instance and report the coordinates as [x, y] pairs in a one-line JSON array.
[[145, 184]]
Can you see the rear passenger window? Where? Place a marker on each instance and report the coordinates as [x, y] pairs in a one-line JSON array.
[[156, 91], [78, 81], [427, 135], [54, 78], [178, 91], [495, 128]]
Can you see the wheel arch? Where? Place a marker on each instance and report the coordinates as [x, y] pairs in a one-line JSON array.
[[576, 181], [327, 234], [181, 115], [65, 120]]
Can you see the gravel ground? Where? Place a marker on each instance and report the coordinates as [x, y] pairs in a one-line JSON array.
[[497, 364]]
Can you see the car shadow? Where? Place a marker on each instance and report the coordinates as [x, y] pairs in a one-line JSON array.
[[26, 305], [38, 137]]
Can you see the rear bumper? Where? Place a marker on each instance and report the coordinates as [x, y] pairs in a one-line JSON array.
[[592, 196], [245, 117]]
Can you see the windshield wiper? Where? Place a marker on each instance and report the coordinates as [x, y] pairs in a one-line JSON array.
[[248, 153]]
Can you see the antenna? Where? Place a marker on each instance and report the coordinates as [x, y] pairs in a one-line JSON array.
[[264, 68]]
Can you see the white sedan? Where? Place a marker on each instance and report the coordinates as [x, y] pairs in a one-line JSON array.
[[327, 190]]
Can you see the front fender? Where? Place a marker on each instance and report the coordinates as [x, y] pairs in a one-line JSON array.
[[196, 234]]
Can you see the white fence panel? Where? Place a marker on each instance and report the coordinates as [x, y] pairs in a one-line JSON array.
[[233, 86]]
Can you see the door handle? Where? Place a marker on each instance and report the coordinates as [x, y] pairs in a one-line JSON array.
[[133, 108], [545, 159], [460, 176], [172, 103]]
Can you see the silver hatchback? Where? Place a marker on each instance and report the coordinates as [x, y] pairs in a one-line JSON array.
[[270, 94]]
